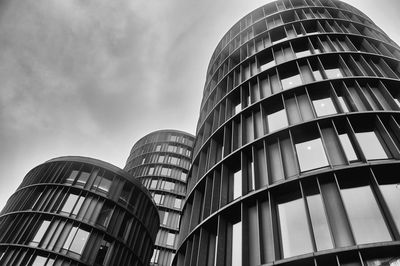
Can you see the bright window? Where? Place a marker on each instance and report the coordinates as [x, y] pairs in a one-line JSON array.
[[324, 107], [371, 146], [311, 155], [277, 120]]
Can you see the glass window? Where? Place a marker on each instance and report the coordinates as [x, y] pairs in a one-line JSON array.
[[39, 261], [161, 159], [40, 233], [170, 239], [311, 155], [294, 230], [333, 73], [71, 178], [156, 254], [78, 206], [164, 171], [157, 198], [169, 185], [105, 184], [319, 222], [291, 82], [76, 241], [237, 108], [324, 107], [172, 148], [277, 120], [105, 215], [343, 104], [183, 176], [126, 191], [303, 53], [348, 147], [178, 203], [391, 194], [371, 146], [317, 75], [151, 171], [267, 65], [237, 184], [237, 244], [102, 253], [174, 160], [83, 178], [158, 148], [69, 203], [165, 218], [153, 184], [365, 217]]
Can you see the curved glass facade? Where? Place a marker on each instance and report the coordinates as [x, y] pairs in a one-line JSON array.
[[298, 143], [161, 161], [78, 211]]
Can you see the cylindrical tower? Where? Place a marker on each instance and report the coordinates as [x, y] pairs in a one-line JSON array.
[[161, 160], [78, 211], [298, 143]]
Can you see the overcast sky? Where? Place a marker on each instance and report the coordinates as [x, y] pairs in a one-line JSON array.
[[91, 77]]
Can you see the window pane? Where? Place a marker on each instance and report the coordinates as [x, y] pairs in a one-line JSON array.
[[348, 147], [40, 233], [371, 146], [79, 241], [317, 75], [294, 228], [170, 239], [105, 184], [39, 261], [333, 73], [83, 177], [311, 155], [237, 244], [237, 184], [165, 219], [319, 222], [277, 120], [71, 178], [101, 254], [178, 203], [391, 194], [70, 238], [324, 107], [291, 82], [343, 104], [78, 205], [105, 215], [364, 214], [69, 203]]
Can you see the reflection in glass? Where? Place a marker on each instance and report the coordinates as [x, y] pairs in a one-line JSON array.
[[324, 107], [105, 215], [343, 104], [69, 203], [39, 261], [311, 155], [177, 203], [364, 214], [303, 53], [319, 222], [40, 233], [291, 82], [237, 184], [237, 244], [79, 241], [371, 146], [333, 73], [294, 228], [277, 120], [267, 65], [317, 75], [391, 194], [170, 239], [83, 178], [348, 147]]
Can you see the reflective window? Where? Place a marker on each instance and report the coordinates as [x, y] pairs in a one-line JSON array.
[[83, 178], [156, 254], [371, 146], [151, 171], [324, 107], [277, 120], [317, 75], [174, 160], [78, 206], [291, 82], [40, 233], [170, 239], [267, 65], [105, 215], [391, 194], [303, 53], [237, 108], [158, 148], [105, 184], [237, 184], [39, 261], [333, 73], [178, 203], [165, 171], [343, 104], [102, 253], [165, 218], [237, 244], [348, 147], [76, 240], [153, 184], [169, 185], [161, 159], [71, 178], [183, 176], [319, 222], [365, 217], [311, 155], [126, 191], [69, 203], [157, 198], [294, 230], [172, 148]]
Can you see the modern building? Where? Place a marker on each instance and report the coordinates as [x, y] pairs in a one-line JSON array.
[[297, 149], [78, 211], [161, 160]]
